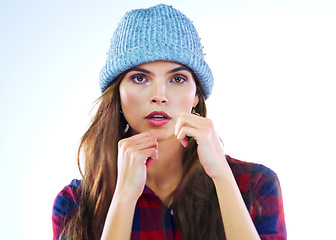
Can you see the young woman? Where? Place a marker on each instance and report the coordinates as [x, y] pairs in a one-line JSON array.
[[154, 166]]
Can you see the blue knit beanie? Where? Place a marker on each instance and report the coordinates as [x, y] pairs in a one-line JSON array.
[[156, 33]]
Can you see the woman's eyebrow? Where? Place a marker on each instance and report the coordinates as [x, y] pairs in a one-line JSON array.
[[139, 69], [178, 69]]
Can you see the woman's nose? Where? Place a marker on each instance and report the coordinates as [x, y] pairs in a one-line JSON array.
[[159, 95], [159, 99]]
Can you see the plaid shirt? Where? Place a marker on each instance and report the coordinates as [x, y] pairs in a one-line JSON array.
[[149, 224]]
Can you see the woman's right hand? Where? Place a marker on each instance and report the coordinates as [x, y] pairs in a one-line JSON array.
[[134, 155]]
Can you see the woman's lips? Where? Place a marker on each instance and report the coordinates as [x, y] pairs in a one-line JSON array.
[[158, 118]]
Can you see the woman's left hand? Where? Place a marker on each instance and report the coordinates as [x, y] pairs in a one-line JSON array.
[[236, 219], [209, 148]]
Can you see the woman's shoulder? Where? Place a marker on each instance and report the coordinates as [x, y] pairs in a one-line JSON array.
[[65, 206], [68, 198], [242, 167], [252, 176], [72, 191]]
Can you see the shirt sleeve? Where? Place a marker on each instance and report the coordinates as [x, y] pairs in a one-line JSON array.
[[65, 207], [270, 224]]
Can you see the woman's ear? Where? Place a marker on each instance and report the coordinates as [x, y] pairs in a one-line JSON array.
[[196, 100]]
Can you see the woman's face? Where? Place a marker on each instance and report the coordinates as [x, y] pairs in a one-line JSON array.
[[154, 94]]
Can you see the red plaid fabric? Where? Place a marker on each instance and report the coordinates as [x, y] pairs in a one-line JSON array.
[[152, 220]]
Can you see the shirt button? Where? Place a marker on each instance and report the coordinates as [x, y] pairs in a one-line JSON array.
[[171, 212]]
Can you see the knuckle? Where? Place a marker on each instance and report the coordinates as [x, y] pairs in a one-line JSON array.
[[129, 149], [122, 142], [209, 123]]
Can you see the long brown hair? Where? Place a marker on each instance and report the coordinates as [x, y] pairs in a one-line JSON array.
[[196, 208], [99, 149]]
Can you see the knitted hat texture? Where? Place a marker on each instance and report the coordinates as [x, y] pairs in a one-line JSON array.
[[156, 33]]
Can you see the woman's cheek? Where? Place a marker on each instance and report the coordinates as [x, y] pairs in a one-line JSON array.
[[130, 96], [186, 101]]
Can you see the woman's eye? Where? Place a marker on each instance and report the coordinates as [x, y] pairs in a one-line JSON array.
[[179, 79], [138, 79]]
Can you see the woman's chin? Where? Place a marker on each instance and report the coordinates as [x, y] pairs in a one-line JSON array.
[[159, 133], [162, 135]]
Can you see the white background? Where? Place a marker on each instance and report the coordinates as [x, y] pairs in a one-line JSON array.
[[273, 101]]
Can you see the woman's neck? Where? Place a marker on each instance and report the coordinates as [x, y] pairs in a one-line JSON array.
[[165, 174]]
